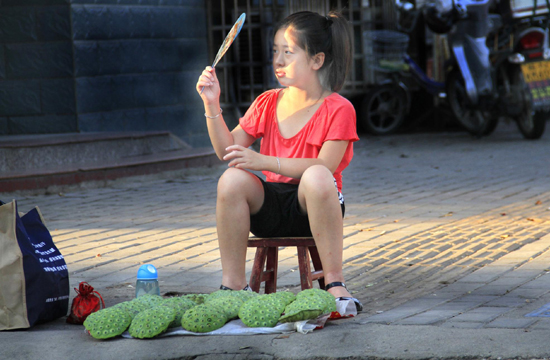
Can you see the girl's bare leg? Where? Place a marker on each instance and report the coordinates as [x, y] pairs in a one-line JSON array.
[[240, 194], [318, 197]]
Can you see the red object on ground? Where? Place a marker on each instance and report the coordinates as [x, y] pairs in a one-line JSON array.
[[86, 302]]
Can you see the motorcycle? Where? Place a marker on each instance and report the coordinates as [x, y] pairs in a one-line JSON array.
[[499, 65], [397, 76], [520, 56], [468, 85]]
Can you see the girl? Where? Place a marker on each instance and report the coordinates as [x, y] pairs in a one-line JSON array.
[[307, 132]]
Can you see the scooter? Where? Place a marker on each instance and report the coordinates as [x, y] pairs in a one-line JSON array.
[[386, 104], [500, 67], [468, 86], [384, 107], [497, 66], [469, 83]]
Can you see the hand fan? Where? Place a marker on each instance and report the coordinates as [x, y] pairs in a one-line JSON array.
[[235, 30]]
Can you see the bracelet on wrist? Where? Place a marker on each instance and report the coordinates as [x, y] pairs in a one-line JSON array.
[[215, 116]]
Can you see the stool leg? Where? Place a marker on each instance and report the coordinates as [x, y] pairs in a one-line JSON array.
[[271, 269], [316, 260], [305, 270], [258, 268]]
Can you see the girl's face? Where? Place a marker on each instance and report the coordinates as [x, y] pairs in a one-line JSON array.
[[292, 65]]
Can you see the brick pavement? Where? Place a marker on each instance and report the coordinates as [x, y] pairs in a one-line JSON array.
[[440, 229]]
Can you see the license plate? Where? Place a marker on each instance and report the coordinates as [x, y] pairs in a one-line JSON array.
[[537, 77], [536, 71]]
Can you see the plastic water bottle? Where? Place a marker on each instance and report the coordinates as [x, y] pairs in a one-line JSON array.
[[147, 280]]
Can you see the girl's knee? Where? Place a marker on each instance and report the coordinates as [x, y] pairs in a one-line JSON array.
[[232, 178], [319, 180], [317, 174], [236, 181]]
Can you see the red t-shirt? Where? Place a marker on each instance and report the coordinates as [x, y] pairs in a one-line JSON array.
[[334, 120]]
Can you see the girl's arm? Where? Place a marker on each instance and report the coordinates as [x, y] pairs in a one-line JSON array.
[[331, 155], [219, 133], [222, 138]]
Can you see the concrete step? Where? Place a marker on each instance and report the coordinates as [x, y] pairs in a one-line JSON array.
[[40, 161], [29, 152]]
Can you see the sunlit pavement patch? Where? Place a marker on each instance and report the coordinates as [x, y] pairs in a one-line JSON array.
[[542, 312]]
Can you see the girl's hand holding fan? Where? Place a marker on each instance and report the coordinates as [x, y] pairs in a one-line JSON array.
[[208, 77]]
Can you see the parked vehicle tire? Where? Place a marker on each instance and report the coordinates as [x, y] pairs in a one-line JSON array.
[[492, 123], [534, 128], [383, 109], [476, 122], [531, 123]]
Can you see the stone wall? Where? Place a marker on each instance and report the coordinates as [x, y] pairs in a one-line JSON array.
[[103, 65], [36, 68]]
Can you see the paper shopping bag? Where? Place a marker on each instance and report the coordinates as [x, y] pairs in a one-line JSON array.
[[34, 280]]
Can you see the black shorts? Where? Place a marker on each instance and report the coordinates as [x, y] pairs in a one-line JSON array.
[[280, 214]]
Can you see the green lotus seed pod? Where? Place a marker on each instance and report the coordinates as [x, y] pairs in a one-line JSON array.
[[220, 294], [150, 300], [287, 296], [313, 292], [259, 312], [300, 315], [313, 302], [277, 303], [137, 305], [245, 295], [181, 305], [152, 322], [107, 323], [329, 299], [229, 304], [241, 294], [132, 307], [196, 298], [203, 318], [304, 308]]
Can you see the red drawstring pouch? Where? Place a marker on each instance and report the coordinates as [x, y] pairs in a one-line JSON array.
[[86, 302]]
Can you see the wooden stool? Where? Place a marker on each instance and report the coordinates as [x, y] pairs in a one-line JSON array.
[[268, 249]]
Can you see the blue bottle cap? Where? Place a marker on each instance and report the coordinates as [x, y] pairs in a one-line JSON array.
[[147, 272]]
